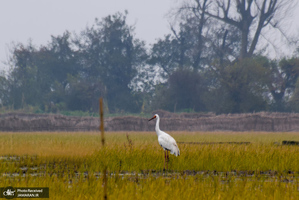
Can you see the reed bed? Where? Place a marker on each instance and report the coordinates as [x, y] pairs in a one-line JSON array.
[[70, 164]]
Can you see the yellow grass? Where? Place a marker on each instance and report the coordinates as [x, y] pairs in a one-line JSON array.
[[70, 164], [85, 143]]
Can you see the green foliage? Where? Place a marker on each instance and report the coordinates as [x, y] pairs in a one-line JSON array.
[[4, 93], [38, 72], [198, 67], [294, 101], [282, 83], [184, 90], [242, 87], [71, 74], [112, 56]]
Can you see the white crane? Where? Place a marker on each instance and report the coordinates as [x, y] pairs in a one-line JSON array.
[[166, 141]]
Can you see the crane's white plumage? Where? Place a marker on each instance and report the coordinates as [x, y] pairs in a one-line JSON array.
[[165, 140], [168, 143]]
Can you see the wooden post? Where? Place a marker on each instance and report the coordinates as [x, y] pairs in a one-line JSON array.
[[105, 197], [102, 121], [101, 112]]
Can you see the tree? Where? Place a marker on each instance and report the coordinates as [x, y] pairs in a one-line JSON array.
[[112, 56], [197, 42], [282, 82], [37, 72], [164, 54], [65, 61], [182, 91], [250, 17], [73, 73], [25, 76], [4, 90], [240, 87]]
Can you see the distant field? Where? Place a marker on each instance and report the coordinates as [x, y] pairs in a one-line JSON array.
[[70, 164]]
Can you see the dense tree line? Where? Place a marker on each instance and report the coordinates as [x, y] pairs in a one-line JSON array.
[[209, 62]]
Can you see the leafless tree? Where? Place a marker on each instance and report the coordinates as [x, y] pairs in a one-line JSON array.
[[248, 16]]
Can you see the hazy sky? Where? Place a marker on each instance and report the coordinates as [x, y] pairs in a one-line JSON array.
[[39, 19]]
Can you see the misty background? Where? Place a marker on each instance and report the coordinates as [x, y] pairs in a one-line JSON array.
[[181, 56]]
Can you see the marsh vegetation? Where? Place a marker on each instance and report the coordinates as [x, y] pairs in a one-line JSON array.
[[71, 165]]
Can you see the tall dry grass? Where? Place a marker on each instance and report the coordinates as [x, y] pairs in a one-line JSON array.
[[70, 165]]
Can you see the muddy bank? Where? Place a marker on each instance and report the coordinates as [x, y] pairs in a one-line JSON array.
[[262, 121]]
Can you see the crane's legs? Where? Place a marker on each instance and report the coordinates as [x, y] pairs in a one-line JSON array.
[[164, 160], [167, 159]]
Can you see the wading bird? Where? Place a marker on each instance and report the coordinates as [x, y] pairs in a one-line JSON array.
[[166, 141]]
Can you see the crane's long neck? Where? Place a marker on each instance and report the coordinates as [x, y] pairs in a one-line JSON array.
[[157, 126]]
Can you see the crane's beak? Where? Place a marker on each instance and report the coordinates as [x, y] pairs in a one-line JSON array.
[[152, 118]]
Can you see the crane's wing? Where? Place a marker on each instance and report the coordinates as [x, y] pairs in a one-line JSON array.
[[168, 143]]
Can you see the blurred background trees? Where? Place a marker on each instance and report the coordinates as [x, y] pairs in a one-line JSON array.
[[213, 60]]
